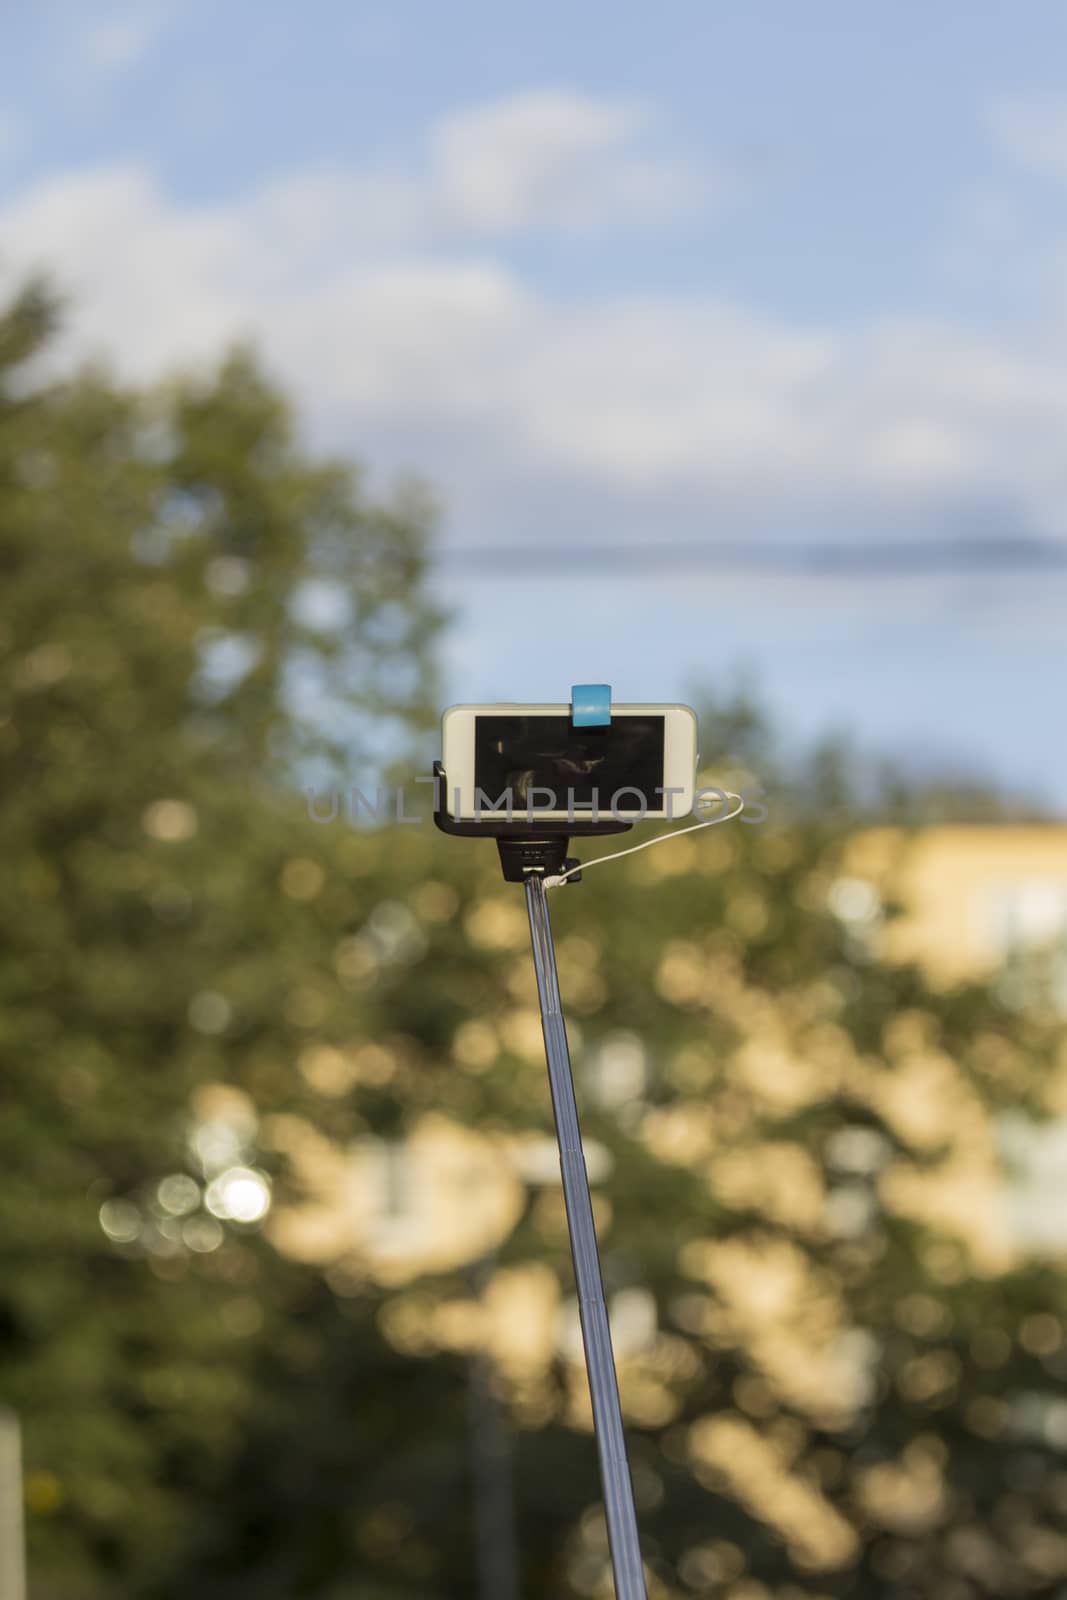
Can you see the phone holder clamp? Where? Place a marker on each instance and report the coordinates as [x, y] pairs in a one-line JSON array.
[[527, 846], [591, 705]]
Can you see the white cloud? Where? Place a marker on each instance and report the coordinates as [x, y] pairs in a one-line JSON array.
[[121, 41], [559, 159], [682, 410], [149, 280], [550, 161], [1033, 129]]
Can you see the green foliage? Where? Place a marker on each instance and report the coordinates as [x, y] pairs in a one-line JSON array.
[[148, 542]]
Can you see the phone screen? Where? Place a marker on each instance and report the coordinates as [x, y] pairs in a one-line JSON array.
[[579, 765]]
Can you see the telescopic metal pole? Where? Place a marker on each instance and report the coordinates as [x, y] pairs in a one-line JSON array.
[[596, 1334]]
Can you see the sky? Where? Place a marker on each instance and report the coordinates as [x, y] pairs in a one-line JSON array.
[[616, 276]]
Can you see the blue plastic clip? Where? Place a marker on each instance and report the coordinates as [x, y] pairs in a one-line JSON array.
[[591, 705]]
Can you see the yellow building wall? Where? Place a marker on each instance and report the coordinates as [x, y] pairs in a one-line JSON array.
[[953, 881]]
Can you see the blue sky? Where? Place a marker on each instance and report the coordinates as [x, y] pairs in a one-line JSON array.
[[709, 271]]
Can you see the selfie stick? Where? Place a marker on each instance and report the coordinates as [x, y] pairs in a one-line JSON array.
[[530, 851]]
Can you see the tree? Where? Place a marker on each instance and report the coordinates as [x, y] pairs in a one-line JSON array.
[[194, 612]]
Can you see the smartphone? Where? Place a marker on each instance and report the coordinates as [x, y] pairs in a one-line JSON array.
[[532, 760]]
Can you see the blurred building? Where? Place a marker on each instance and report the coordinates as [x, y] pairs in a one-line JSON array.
[[983, 902], [978, 901]]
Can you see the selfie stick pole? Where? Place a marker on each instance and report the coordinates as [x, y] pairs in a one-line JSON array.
[[530, 851], [596, 1334]]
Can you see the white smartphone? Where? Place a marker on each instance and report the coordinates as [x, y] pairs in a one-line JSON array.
[[533, 760]]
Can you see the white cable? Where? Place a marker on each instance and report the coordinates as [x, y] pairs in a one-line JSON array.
[[555, 879]]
